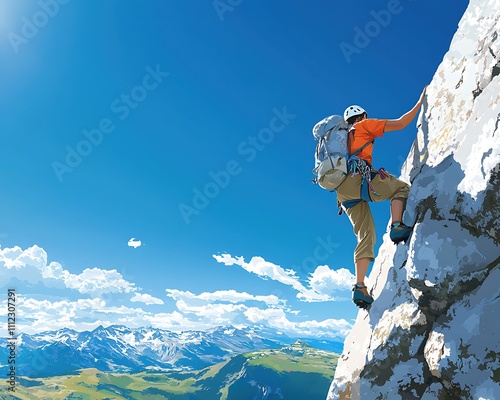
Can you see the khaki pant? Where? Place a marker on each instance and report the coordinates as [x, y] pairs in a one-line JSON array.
[[361, 216]]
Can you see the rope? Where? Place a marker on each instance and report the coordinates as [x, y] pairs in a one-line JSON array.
[[358, 166]]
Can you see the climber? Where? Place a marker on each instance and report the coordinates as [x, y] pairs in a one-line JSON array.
[[364, 184]]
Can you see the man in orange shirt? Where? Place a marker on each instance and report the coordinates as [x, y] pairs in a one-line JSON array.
[[365, 184]]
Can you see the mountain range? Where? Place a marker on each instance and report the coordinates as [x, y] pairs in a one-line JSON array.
[[122, 349]]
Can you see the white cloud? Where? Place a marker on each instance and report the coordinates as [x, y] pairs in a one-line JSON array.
[[229, 260], [216, 313], [274, 316], [93, 280], [231, 296], [326, 327], [16, 258], [322, 282], [278, 319], [146, 299], [222, 307], [31, 265], [44, 315], [54, 270], [264, 269], [134, 243], [174, 321], [311, 296], [326, 280]]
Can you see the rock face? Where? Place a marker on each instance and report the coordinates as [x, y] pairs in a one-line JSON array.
[[433, 331]]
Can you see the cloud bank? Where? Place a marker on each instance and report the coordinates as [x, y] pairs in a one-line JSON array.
[[51, 297]]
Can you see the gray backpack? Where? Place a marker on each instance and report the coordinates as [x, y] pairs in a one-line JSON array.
[[332, 153]]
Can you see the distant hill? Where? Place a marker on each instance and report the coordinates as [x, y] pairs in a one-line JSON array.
[[294, 372]]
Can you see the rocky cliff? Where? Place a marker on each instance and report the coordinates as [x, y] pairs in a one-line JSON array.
[[433, 331]]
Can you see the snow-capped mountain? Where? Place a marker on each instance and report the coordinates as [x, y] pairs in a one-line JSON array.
[[119, 348], [432, 331]]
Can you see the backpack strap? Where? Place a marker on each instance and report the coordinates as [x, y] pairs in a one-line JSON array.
[[350, 136], [356, 152]]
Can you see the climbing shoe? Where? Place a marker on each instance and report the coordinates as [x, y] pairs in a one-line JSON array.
[[359, 298], [400, 232]]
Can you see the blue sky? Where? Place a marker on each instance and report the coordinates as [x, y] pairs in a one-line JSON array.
[[187, 126]]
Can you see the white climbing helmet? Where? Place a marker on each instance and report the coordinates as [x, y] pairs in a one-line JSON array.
[[352, 111]]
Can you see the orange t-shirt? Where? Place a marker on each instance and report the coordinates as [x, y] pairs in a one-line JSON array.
[[365, 131]]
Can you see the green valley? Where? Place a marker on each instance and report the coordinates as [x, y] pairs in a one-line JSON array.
[[292, 372]]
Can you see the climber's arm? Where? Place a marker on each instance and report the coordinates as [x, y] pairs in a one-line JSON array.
[[405, 119]]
